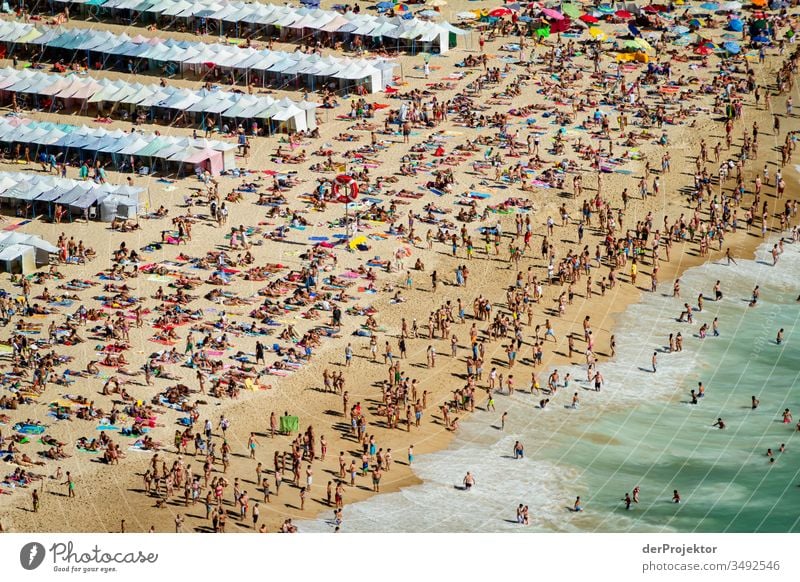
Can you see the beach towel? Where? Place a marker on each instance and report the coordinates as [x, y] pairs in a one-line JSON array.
[[16, 226], [289, 424], [29, 428]]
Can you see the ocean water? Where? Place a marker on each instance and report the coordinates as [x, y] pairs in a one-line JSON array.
[[641, 430]]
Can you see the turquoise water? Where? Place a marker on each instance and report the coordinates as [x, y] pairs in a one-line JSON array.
[[641, 430]]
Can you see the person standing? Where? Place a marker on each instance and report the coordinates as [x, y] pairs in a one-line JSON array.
[[70, 485]]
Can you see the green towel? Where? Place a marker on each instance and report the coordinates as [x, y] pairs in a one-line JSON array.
[[290, 424]]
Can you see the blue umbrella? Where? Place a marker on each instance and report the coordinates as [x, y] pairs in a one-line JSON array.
[[681, 30], [633, 30], [760, 38], [732, 47], [712, 6], [736, 25], [606, 9], [384, 5]]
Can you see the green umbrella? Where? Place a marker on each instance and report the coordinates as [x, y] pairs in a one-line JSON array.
[[544, 32], [571, 10]]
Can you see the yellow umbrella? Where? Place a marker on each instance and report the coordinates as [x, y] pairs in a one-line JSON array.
[[643, 44], [597, 34]]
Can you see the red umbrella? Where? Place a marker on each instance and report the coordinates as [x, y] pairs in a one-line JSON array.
[[500, 12], [589, 19], [703, 50], [623, 14], [560, 25]]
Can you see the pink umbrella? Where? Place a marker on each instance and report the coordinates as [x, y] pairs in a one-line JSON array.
[[554, 14]]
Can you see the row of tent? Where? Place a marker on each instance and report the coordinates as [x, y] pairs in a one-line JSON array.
[[41, 193], [198, 57], [284, 113], [23, 253], [272, 19], [146, 152]]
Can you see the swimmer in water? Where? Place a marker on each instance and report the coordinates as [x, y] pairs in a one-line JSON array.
[[577, 506], [676, 497], [636, 494], [779, 337], [719, 424], [754, 402], [756, 295], [469, 481]]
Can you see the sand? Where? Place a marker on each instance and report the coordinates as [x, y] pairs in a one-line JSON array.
[[108, 494]]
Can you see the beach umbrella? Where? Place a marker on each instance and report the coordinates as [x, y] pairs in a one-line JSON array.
[[643, 44], [553, 14], [731, 6], [680, 30], [589, 19], [401, 8], [703, 50], [466, 16], [759, 3], [760, 38], [384, 5], [571, 10], [710, 6], [624, 14], [694, 22], [428, 13], [732, 47], [436, 3], [597, 34], [606, 9], [499, 12], [560, 25], [760, 24], [736, 25], [543, 32], [634, 30]]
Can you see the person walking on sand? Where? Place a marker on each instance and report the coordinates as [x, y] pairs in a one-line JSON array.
[[251, 445]]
